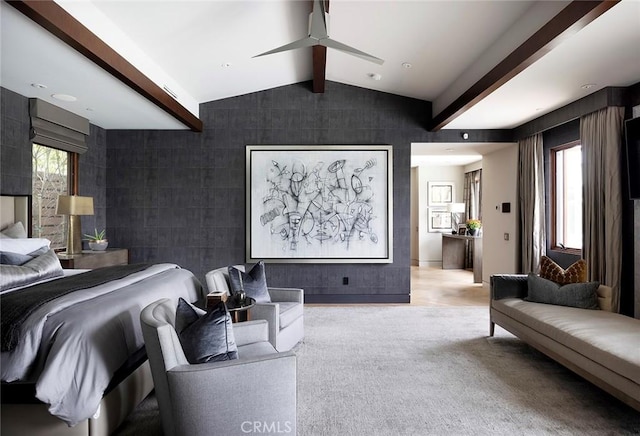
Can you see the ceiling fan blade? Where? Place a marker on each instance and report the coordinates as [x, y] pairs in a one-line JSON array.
[[304, 42], [327, 42], [318, 21]]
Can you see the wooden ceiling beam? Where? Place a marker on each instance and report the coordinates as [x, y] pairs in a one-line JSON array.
[[319, 62], [566, 23], [63, 25]]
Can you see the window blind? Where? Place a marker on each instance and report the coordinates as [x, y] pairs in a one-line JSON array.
[[58, 128]]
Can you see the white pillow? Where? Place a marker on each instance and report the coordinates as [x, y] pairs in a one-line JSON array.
[[23, 245], [15, 230]]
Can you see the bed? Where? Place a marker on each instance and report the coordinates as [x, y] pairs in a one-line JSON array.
[[74, 364]]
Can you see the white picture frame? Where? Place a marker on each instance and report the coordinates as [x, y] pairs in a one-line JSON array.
[[319, 203], [439, 220], [440, 193]]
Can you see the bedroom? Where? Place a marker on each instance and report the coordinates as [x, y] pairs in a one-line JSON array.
[[123, 168]]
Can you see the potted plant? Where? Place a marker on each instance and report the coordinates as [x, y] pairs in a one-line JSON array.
[[97, 241], [473, 226]]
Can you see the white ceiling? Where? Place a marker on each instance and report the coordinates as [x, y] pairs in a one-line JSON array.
[[450, 44]]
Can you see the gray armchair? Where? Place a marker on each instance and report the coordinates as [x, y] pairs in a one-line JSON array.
[[284, 314], [219, 398]]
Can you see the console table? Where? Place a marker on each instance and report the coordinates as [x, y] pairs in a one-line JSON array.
[[453, 253]]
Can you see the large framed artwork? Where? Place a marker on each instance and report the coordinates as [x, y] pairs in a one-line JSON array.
[[320, 203]]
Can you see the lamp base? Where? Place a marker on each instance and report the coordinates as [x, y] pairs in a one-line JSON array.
[[74, 235]]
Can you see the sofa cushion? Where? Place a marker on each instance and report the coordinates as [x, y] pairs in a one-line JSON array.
[[252, 282], [576, 273], [205, 336], [289, 312], [581, 295], [604, 337]]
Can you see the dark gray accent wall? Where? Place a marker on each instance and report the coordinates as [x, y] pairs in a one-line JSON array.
[[15, 146], [180, 196], [15, 158], [92, 179]]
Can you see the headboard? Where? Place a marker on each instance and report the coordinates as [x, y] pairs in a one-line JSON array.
[[14, 208]]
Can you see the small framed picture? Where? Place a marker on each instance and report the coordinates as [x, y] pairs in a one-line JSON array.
[[462, 230], [439, 221], [440, 194]]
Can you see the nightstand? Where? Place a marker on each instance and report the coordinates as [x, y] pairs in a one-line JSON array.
[[95, 259]]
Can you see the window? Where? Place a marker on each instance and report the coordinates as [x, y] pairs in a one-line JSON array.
[[50, 178], [566, 197]]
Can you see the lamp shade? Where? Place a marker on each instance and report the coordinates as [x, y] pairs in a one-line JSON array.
[[74, 205], [455, 207]]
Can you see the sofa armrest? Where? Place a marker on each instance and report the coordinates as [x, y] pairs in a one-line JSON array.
[[508, 286], [223, 395], [294, 295], [251, 332], [270, 312]]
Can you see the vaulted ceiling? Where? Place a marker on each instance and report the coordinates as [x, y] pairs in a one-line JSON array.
[[483, 64]]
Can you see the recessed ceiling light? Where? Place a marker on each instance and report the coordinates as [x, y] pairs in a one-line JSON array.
[[64, 97], [375, 76], [588, 86], [38, 85], [407, 65]]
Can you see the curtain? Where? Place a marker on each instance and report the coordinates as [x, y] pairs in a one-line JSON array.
[[601, 138], [473, 194], [472, 198], [532, 205]]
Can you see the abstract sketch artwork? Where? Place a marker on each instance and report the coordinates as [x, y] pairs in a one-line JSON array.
[[319, 203]]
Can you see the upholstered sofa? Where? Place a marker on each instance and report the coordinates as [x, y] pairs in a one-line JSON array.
[[601, 346], [285, 312]]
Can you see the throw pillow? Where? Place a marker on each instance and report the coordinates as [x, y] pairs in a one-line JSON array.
[[205, 336], [582, 295], [8, 258], [253, 283], [15, 230], [576, 273]]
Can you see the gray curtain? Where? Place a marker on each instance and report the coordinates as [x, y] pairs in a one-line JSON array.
[[532, 205], [473, 194], [472, 198], [601, 138]]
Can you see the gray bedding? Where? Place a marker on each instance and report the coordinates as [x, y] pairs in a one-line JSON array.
[[36, 268], [17, 306], [72, 346]]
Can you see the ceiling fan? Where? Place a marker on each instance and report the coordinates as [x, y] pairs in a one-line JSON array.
[[319, 35]]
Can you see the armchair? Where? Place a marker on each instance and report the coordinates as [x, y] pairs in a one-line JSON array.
[[219, 398], [284, 314]]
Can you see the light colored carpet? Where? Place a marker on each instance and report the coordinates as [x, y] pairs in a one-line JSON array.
[[408, 370]]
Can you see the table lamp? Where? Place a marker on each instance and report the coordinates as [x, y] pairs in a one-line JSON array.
[[455, 209], [74, 206]]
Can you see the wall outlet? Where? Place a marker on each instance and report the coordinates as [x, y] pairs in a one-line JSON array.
[[345, 280], [506, 236]]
